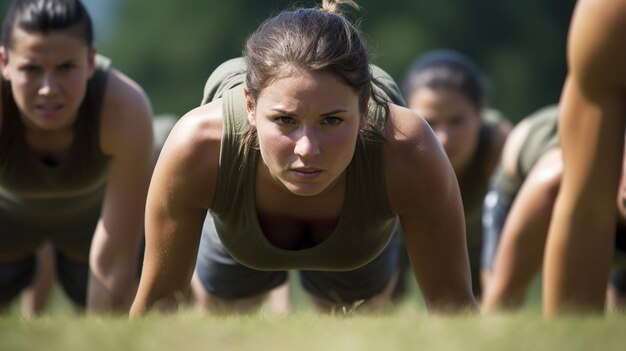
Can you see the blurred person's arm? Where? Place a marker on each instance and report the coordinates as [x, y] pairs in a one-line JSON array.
[[520, 251], [36, 295], [593, 110], [127, 137]]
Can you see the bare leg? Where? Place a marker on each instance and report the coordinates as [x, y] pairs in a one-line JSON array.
[[400, 291], [616, 290], [35, 296], [616, 300], [485, 277], [279, 300]]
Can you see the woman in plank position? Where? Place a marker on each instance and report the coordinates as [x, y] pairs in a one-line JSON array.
[[303, 163], [75, 158]]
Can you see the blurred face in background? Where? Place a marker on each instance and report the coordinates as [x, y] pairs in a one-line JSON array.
[[454, 119], [48, 74]]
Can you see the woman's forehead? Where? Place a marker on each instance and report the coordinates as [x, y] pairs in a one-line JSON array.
[[55, 45], [295, 90]]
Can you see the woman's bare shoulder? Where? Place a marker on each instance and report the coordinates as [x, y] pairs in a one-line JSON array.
[[198, 132], [125, 118], [405, 129], [123, 95], [188, 165], [416, 165]]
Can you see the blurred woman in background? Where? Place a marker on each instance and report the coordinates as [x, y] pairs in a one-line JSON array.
[[518, 212], [447, 89], [75, 158]]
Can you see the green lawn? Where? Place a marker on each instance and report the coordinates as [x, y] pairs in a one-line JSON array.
[[409, 328]]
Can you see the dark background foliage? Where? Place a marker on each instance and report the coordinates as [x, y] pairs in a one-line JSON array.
[[171, 46]]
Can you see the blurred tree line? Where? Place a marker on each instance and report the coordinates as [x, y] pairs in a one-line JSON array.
[[170, 47]]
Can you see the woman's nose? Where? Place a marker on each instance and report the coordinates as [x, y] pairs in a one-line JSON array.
[[307, 144], [49, 84]]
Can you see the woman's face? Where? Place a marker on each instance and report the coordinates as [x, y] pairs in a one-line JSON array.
[[307, 125], [48, 74], [454, 119]]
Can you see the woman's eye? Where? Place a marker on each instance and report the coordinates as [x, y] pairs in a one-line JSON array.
[[332, 120], [29, 69], [284, 120], [459, 120], [66, 67]]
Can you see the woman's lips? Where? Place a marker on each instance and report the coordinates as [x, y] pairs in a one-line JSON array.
[[306, 173]]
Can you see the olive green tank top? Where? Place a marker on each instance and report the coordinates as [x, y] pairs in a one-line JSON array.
[[542, 136], [366, 222], [36, 195], [474, 183]]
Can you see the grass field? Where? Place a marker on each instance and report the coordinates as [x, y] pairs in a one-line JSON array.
[[409, 328]]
